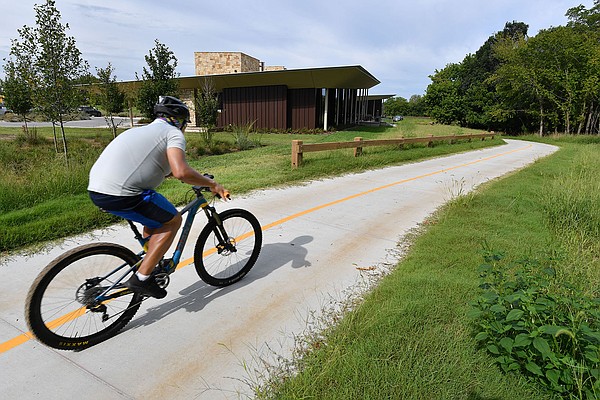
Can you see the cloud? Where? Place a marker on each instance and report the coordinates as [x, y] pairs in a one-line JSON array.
[[400, 43]]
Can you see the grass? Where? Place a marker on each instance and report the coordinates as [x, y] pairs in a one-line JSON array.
[[411, 337], [41, 198]]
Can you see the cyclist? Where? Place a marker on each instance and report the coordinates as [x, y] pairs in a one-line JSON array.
[[123, 179]]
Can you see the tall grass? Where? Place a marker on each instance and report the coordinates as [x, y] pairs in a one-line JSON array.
[[572, 206]]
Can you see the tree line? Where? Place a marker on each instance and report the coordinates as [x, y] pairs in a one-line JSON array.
[[519, 84]]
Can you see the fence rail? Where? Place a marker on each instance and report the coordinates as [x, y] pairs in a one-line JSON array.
[[299, 148]]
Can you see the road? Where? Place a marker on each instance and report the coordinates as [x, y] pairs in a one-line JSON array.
[[202, 342], [93, 122]]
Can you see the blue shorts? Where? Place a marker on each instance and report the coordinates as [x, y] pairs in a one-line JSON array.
[[150, 209]]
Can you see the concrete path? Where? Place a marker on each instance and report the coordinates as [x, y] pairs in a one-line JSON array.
[[202, 342]]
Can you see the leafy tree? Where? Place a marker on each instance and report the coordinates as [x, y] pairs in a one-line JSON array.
[[417, 105], [558, 69], [207, 110], [55, 64], [462, 93], [158, 79], [395, 106], [443, 95], [17, 87], [110, 97]]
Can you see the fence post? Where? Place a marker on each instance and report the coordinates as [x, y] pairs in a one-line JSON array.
[[430, 143], [358, 149], [296, 153]]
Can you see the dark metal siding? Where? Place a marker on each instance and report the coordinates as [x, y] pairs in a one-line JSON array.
[[303, 108], [266, 106]]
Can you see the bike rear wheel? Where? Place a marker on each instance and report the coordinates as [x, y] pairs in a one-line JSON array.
[[224, 256], [61, 310]]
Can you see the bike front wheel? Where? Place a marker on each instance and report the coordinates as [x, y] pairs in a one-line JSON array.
[[62, 310], [225, 252]]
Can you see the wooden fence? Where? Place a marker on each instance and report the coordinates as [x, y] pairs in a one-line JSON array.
[[299, 148]]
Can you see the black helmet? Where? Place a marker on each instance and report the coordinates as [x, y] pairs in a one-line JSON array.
[[173, 107]]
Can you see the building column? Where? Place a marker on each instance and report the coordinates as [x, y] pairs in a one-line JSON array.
[[326, 112]]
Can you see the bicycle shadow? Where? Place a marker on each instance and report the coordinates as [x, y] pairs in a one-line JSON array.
[[196, 296]]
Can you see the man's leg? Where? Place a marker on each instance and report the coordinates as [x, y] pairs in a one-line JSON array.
[[160, 241]]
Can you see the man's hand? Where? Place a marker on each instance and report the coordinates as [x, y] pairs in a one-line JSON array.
[[220, 191]]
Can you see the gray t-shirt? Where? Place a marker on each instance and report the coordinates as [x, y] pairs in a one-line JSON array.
[[136, 160]]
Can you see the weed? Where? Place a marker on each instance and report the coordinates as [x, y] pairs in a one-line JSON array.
[[531, 321]]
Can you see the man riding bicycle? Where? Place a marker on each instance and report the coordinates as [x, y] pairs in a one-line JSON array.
[[123, 179]]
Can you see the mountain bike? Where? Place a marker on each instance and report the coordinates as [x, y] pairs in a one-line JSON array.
[[80, 298]]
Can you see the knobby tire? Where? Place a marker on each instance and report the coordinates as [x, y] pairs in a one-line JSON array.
[[223, 267], [54, 310]]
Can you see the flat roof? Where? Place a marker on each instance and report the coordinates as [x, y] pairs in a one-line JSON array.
[[345, 77], [380, 96]]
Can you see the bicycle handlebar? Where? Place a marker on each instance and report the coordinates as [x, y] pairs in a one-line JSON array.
[[199, 189]]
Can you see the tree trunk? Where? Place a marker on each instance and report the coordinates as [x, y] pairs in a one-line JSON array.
[[541, 120], [55, 138], [64, 138]]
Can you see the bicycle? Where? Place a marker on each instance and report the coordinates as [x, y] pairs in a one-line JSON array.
[[80, 299]]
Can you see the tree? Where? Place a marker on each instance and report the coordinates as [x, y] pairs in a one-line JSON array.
[[463, 93], [17, 87], [417, 106], [207, 110], [158, 79], [395, 106], [55, 64], [443, 95], [110, 98]]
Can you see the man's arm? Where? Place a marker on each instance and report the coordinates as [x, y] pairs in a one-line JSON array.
[[181, 170]]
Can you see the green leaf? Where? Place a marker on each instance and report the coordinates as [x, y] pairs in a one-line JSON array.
[[497, 308], [507, 344], [553, 376], [481, 336], [493, 349], [542, 346], [522, 340], [534, 368], [514, 315]]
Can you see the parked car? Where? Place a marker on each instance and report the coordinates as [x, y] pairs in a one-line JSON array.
[[91, 111], [3, 110], [397, 118]]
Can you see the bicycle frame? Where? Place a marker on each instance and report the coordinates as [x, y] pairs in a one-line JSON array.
[[191, 209]]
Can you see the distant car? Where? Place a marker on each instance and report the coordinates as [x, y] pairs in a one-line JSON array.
[[397, 118], [91, 111], [3, 110]]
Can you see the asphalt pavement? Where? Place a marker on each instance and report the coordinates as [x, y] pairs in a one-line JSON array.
[[93, 122], [320, 241]]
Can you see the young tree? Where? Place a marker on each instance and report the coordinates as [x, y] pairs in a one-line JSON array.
[[110, 98], [17, 86], [56, 64], [207, 109], [158, 79]]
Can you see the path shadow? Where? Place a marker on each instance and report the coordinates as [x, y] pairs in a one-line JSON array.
[[196, 296]]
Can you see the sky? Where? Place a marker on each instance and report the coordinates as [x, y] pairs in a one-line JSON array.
[[399, 42]]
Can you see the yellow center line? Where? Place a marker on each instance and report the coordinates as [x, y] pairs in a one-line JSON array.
[[4, 347]]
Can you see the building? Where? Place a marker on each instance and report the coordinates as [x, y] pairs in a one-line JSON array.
[[276, 97]]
